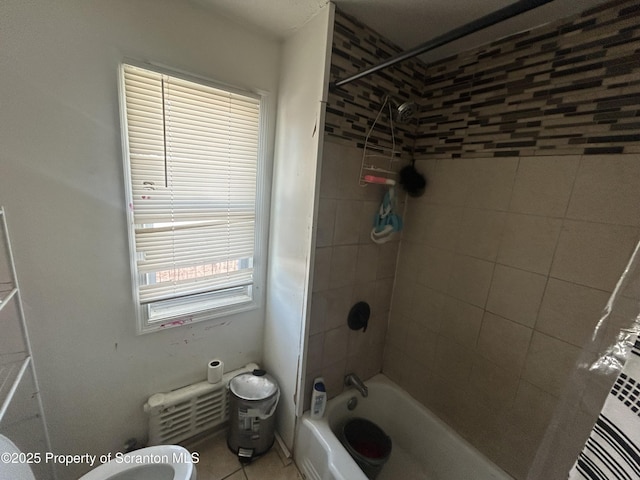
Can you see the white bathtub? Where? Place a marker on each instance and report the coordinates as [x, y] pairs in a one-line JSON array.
[[423, 446]]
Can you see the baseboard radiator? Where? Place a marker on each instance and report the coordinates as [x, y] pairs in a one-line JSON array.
[[191, 410]]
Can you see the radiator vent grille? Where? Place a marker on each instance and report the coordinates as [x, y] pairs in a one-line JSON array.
[[188, 411], [308, 470]]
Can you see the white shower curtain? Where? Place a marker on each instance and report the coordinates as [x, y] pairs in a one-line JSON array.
[[612, 450]]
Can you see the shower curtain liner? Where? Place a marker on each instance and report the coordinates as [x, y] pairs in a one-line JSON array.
[[613, 448], [607, 372]]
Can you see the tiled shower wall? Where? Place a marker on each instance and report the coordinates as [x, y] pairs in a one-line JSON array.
[[349, 267], [531, 147], [568, 88], [352, 109]]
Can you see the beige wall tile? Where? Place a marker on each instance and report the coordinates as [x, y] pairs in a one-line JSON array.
[[387, 260], [427, 307], [397, 331], [367, 263], [606, 190], [335, 345], [365, 365], [416, 219], [403, 291], [452, 361], [570, 312], [428, 167], [491, 384], [631, 286], [407, 264], [516, 294], [343, 265], [377, 329], [338, 304], [470, 279], [421, 344], [434, 267], [449, 403], [514, 451], [480, 233], [528, 242], [347, 223], [358, 342], [450, 181], [427, 390], [523, 427], [333, 375], [549, 363], [504, 342], [461, 322], [418, 382], [531, 398], [326, 222], [314, 352], [477, 423], [593, 254], [491, 182], [396, 364], [365, 292], [442, 226], [384, 291], [543, 185]]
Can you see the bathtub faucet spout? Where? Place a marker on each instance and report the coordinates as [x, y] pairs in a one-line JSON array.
[[352, 380]]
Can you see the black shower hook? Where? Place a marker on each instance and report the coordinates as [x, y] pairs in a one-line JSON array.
[[412, 180]]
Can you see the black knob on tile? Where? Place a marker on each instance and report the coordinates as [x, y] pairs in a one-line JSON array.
[[359, 316]]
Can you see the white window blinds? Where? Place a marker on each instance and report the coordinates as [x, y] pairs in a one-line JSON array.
[[193, 157]]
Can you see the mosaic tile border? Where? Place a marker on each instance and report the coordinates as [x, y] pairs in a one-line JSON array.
[[351, 110], [571, 87]]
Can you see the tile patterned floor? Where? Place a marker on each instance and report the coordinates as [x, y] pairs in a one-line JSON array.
[[218, 463]]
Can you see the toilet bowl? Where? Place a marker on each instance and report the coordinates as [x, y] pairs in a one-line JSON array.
[[162, 462], [15, 470]]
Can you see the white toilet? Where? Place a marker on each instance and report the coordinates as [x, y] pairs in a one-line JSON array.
[[162, 462]]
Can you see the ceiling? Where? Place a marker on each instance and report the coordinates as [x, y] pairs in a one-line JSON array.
[[408, 23]]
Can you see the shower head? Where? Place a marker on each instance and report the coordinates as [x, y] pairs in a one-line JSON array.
[[404, 112]]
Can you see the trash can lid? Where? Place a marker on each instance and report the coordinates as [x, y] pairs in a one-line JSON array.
[[256, 385]]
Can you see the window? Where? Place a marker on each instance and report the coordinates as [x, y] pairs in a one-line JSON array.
[[192, 168]]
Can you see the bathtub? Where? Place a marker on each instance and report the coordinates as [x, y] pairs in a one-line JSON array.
[[424, 447]]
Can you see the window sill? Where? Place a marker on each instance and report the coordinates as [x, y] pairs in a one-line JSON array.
[[220, 314]]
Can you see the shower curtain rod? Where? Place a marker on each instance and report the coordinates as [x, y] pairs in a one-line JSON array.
[[498, 16]]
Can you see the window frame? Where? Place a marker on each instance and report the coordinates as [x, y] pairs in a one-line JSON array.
[[144, 324]]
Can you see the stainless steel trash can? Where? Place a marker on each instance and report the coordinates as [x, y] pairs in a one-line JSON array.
[[253, 398]]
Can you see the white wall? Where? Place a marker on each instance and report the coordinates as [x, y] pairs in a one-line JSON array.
[[299, 134], [61, 182]]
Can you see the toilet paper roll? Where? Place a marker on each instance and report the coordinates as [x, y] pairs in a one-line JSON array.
[[215, 370]]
